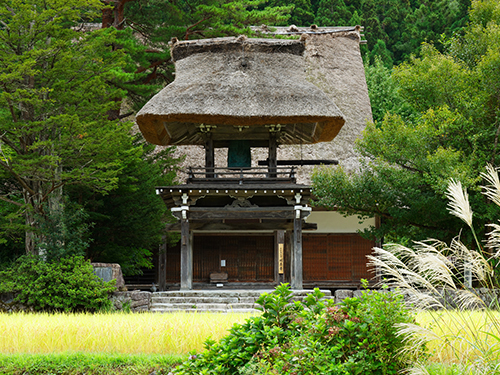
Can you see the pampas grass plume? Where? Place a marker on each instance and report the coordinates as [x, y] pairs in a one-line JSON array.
[[459, 202]]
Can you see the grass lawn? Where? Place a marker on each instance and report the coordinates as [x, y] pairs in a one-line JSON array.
[[87, 363]]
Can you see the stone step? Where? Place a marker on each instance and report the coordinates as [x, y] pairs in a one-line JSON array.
[[239, 306], [167, 310], [195, 300], [214, 300], [229, 293], [204, 306], [211, 293], [237, 311]]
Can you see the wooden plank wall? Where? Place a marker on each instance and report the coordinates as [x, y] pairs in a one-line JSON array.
[[250, 258], [336, 257]]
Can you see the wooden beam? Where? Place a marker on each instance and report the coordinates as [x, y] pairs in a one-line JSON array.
[[209, 155], [219, 225], [273, 149], [186, 257], [221, 213], [288, 254], [162, 265], [297, 278], [300, 162]]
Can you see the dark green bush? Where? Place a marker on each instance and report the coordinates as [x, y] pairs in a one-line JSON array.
[[68, 285], [311, 337]]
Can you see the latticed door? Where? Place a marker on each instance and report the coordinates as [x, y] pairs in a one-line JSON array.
[[247, 258]]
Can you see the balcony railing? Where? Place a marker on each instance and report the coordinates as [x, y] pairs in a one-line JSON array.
[[241, 176]]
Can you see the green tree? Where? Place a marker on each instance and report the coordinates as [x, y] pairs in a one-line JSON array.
[[384, 92], [146, 27], [301, 13], [128, 223], [408, 162], [333, 13], [56, 88]]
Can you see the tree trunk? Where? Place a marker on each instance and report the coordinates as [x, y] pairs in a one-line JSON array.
[[114, 16], [31, 237]]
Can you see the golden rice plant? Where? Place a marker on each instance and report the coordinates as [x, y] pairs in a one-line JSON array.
[[437, 277], [145, 333]]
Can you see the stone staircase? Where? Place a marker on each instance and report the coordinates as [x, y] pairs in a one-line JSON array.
[[224, 301]]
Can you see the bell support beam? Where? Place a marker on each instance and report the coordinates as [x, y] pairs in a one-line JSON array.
[[273, 150], [209, 155]]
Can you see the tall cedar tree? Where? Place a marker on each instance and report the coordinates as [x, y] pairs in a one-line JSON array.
[[56, 88]]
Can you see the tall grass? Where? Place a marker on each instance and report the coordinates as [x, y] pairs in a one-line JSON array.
[[435, 276], [173, 333]]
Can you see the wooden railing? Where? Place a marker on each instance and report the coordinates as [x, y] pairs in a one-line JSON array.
[[241, 175]]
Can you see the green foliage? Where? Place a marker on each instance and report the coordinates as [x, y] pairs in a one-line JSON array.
[[395, 29], [333, 13], [87, 363], [300, 14], [11, 233], [384, 92], [68, 285], [443, 124], [311, 337], [64, 232], [435, 276], [58, 85], [128, 223]]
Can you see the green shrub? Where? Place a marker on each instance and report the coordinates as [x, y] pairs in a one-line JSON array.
[[87, 363], [311, 337], [68, 285]]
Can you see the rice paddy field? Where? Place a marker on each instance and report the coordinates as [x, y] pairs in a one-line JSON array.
[[458, 336], [146, 336], [173, 333]]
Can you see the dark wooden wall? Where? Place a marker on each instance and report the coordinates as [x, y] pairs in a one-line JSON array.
[[335, 257], [327, 258], [249, 258]]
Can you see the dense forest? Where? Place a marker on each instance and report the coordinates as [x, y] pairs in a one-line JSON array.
[[75, 180]]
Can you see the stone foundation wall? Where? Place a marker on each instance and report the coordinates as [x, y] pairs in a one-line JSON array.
[[490, 297], [7, 304], [136, 301]]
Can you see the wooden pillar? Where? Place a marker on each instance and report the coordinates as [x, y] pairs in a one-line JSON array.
[[279, 256], [186, 257], [162, 265], [209, 155], [273, 150], [296, 274], [288, 255]]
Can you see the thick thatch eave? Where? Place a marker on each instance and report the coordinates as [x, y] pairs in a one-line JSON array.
[[239, 88]]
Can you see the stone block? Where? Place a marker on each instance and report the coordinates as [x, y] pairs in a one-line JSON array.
[[342, 294], [110, 271]]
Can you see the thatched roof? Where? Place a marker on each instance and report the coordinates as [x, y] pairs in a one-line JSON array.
[[239, 86], [333, 63]]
